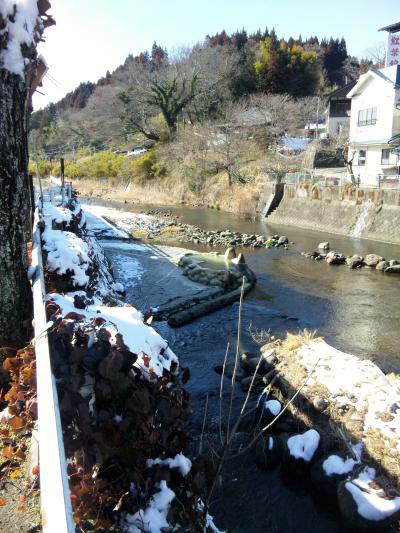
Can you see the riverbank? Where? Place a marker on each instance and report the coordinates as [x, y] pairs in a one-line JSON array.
[[369, 214], [214, 192], [207, 380], [122, 403]]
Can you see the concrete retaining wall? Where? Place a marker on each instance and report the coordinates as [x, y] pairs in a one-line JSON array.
[[338, 209]]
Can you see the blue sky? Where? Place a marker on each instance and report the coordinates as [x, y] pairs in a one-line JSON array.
[[93, 36]]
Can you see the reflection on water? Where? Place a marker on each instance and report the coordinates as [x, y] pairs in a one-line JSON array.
[[355, 310]]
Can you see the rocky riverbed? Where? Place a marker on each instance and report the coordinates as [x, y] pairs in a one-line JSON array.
[[376, 261], [161, 223]]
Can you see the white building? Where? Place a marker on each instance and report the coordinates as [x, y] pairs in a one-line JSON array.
[[374, 122]]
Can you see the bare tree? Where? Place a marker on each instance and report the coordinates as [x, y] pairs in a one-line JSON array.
[[190, 87], [376, 54], [19, 75]]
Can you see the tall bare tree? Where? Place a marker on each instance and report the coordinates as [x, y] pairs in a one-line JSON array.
[[22, 25]]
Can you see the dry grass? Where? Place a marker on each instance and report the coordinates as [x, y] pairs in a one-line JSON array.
[[214, 192], [338, 425]]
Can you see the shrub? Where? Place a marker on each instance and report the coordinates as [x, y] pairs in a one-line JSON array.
[[100, 165], [143, 168]]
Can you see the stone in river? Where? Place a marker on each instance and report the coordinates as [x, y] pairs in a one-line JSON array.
[[372, 260], [354, 261], [382, 265], [283, 240]]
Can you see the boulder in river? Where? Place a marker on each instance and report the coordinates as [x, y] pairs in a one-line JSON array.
[[333, 258], [382, 265], [267, 410], [283, 240], [354, 261], [249, 362], [372, 260], [324, 246], [393, 269]]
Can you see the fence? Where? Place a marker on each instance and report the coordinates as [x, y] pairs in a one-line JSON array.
[[378, 181], [54, 489]]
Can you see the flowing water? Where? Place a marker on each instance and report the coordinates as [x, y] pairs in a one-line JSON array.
[[355, 310]]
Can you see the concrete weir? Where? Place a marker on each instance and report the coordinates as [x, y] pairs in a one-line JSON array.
[[223, 285], [340, 210]]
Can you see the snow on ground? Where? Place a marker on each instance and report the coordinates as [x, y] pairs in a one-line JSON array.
[[356, 383], [154, 518], [371, 504], [57, 213], [179, 461], [66, 251], [126, 220], [153, 352], [95, 218]]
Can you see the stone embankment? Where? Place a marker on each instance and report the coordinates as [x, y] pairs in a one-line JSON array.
[[328, 419], [375, 261], [374, 213]]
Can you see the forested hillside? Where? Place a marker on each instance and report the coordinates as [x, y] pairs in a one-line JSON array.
[[150, 94]]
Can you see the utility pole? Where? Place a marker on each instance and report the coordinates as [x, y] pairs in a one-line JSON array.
[[62, 180], [316, 125]]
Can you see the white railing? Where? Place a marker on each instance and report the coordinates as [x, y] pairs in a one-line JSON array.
[[377, 181], [56, 508]]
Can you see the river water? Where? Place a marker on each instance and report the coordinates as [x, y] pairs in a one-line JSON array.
[[355, 310]]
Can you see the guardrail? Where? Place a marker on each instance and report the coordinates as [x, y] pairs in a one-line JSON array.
[[56, 507]]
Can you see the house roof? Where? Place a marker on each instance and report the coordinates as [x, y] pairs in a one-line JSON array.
[[391, 28], [342, 91], [389, 75]]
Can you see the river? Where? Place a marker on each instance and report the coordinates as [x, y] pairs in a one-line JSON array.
[[355, 310]]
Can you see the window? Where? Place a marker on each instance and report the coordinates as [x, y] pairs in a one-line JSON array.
[[366, 117], [385, 159], [362, 157]]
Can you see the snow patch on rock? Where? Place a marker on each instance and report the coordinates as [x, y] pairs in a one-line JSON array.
[[304, 446], [337, 465], [370, 503]]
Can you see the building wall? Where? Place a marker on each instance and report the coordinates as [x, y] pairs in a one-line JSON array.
[[377, 93], [368, 173], [373, 138], [333, 123]]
